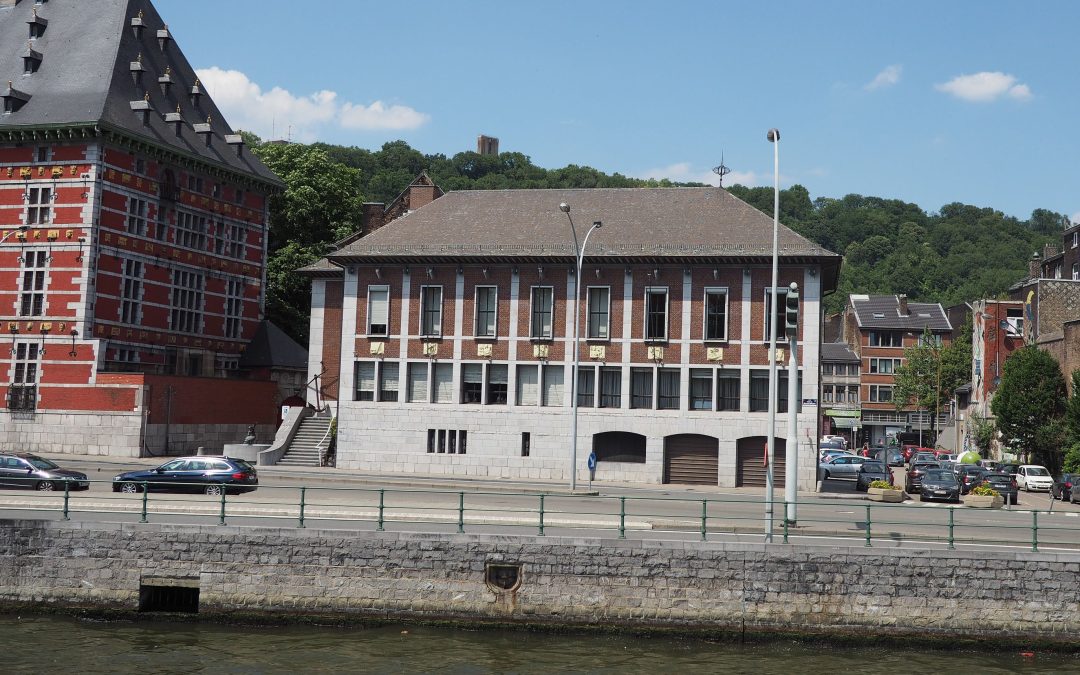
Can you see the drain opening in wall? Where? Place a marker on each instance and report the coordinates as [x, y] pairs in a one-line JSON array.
[[181, 599], [503, 577]]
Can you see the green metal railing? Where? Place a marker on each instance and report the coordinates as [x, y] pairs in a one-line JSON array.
[[378, 508]]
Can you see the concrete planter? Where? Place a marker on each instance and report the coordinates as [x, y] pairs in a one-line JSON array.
[[883, 495], [984, 502]]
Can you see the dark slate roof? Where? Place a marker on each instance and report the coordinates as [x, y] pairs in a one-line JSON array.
[[272, 348], [883, 311], [89, 52], [838, 352], [653, 224]]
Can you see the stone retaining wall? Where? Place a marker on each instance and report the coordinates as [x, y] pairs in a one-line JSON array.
[[733, 589]]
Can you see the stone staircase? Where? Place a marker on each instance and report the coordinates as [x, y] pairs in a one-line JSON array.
[[305, 449]]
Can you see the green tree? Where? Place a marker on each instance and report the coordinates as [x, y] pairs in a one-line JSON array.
[[288, 294], [1030, 400]]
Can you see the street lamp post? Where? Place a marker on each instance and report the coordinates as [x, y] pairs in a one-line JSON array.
[[579, 252], [774, 137]]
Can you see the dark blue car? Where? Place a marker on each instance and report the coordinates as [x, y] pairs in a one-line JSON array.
[[211, 475]]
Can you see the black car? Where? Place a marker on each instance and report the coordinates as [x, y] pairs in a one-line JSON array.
[[1062, 487], [211, 475], [1010, 469], [915, 474], [1005, 485], [870, 472], [969, 475], [939, 484], [30, 471]]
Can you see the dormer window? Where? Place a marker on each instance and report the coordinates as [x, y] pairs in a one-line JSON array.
[[31, 60], [163, 37], [175, 119], [165, 81], [196, 94], [14, 99], [137, 25], [37, 25], [137, 70]]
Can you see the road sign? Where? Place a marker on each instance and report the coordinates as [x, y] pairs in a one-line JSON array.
[[592, 461]]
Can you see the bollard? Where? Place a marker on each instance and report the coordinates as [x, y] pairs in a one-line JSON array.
[[223, 491], [382, 493], [868, 525], [1035, 531], [145, 494], [952, 510], [303, 492], [67, 495], [704, 517], [541, 533], [622, 517], [461, 512]]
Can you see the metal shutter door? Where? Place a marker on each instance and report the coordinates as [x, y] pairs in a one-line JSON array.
[[691, 459]]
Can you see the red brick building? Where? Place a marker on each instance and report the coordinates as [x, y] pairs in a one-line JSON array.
[[133, 226]]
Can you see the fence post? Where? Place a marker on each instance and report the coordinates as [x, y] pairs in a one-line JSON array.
[[67, 494], [704, 517], [223, 491], [952, 510], [382, 493], [145, 494], [541, 533], [868, 526], [1035, 531], [786, 521], [461, 512], [303, 493], [622, 517]]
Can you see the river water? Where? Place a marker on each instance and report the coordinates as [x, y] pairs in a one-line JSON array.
[[39, 644]]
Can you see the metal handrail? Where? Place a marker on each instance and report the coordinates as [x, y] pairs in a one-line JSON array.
[[318, 446]]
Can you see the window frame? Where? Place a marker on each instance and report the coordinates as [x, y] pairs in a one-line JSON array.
[[187, 301], [642, 388], [664, 379], [604, 326], [876, 390], [605, 397], [493, 311], [39, 202], [432, 328], [711, 291], [778, 314], [33, 283], [647, 333], [698, 375], [535, 312], [370, 327], [137, 216], [131, 291]]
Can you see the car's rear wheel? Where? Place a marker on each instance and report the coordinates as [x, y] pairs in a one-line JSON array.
[[215, 490], [45, 486], [130, 488]]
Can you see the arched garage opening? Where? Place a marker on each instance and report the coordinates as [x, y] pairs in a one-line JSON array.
[[750, 462], [619, 446], [691, 459]]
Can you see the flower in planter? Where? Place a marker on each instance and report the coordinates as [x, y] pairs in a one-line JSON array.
[[985, 490], [882, 485]]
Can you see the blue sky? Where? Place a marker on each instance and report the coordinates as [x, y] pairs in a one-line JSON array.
[[929, 102]]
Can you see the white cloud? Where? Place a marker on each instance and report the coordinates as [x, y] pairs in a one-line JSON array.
[[278, 113], [1075, 218], [886, 78], [985, 87]]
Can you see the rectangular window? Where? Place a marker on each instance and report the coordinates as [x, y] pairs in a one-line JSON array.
[[1075, 239], [365, 380], [586, 390], [667, 385], [526, 441], [234, 308], [781, 297], [22, 394], [131, 301], [417, 391], [496, 388], [884, 366], [1075, 271], [378, 310], [599, 313], [782, 393], [136, 220], [461, 441], [442, 440], [728, 389], [187, 302], [389, 371], [759, 390], [553, 386], [826, 393], [701, 389], [486, 310], [716, 301], [38, 206], [528, 385], [472, 382], [443, 383], [827, 369], [431, 440], [161, 228], [853, 393], [431, 311], [610, 387], [656, 300], [641, 388], [190, 230], [32, 295], [542, 312], [237, 241], [931, 340], [886, 338], [880, 393]]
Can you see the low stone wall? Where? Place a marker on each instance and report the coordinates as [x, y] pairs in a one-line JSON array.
[[723, 589]]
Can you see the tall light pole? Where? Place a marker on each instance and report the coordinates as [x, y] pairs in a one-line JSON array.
[[579, 252], [774, 137]]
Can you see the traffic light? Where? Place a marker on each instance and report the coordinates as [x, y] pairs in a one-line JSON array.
[[791, 311]]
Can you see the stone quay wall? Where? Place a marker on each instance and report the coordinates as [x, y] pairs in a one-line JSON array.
[[723, 589]]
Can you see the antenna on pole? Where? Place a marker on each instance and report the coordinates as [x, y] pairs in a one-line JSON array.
[[721, 170]]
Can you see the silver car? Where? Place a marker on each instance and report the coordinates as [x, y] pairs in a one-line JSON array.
[[844, 466]]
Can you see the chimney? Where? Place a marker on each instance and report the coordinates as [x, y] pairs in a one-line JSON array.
[[371, 216], [420, 195], [487, 145], [1049, 251], [1035, 266], [902, 299]]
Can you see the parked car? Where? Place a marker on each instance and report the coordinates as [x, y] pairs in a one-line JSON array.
[[1062, 487], [990, 464], [844, 466], [915, 474], [969, 476], [1031, 477], [826, 455], [211, 475], [1005, 485], [1010, 469], [939, 484], [871, 471], [909, 451], [830, 439], [23, 470], [924, 456]]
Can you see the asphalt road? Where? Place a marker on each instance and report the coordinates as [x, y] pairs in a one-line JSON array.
[[351, 502]]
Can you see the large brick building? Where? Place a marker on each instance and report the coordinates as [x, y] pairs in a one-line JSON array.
[[445, 337], [133, 227]]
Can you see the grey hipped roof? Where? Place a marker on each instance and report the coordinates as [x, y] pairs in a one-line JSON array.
[[837, 352], [272, 348], [639, 224], [89, 54], [883, 311]]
